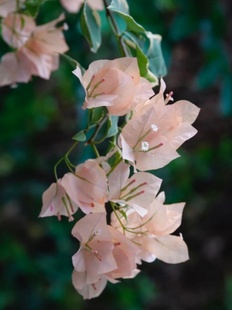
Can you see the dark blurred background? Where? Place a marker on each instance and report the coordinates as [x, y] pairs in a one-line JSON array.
[[37, 121]]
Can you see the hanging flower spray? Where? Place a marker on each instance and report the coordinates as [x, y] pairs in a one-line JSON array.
[[117, 184]]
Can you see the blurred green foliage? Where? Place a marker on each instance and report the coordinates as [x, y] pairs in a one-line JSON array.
[[37, 121]]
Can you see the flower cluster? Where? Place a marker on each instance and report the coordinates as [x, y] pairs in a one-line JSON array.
[[36, 48], [118, 185]]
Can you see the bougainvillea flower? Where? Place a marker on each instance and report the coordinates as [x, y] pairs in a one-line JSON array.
[[169, 248], [90, 290], [152, 232], [48, 38], [14, 68], [150, 138], [41, 65], [56, 202], [104, 254], [9, 6], [163, 219], [125, 255], [17, 29], [115, 84], [38, 55], [95, 256], [137, 191], [87, 187], [43, 48], [73, 6]]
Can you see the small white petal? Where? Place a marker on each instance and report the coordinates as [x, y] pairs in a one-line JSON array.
[[97, 231], [154, 127], [144, 146]]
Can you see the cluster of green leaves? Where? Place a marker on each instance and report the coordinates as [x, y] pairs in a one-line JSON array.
[[132, 38]]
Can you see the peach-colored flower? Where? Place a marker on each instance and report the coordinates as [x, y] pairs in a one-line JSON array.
[[104, 254], [14, 68], [56, 202], [115, 84], [48, 39], [9, 6], [125, 255], [41, 65], [136, 192], [90, 290], [152, 232], [38, 49], [95, 256], [87, 187], [73, 6], [17, 29], [43, 48], [150, 138]]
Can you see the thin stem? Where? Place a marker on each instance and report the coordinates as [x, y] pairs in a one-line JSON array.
[[71, 148], [66, 159], [97, 129], [56, 165], [95, 149], [130, 230]]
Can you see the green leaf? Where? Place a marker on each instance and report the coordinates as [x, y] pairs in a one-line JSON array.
[[145, 45], [121, 7], [33, 7], [154, 54], [120, 22], [149, 54], [96, 115], [143, 63], [90, 26], [72, 62], [113, 126], [80, 136]]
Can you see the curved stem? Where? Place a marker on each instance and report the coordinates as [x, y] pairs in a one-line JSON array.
[[95, 149], [66, 159], [97, 129], [130, 230], [56, 165]]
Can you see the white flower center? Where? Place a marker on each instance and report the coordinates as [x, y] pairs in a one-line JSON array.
[[154, 127], [144, 146], [97, 231]]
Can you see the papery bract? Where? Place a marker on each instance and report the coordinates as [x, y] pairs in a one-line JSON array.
[[87, 187], [48, 38], [73, 6], [56, 202], [150, 138], [38, 49], [9, 6], [14, 68], [17, 29], [125, 255], [90, 290], [152, 232], [115, 84], [95, 255], [137, 191], [41, 65], [43, 48]]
